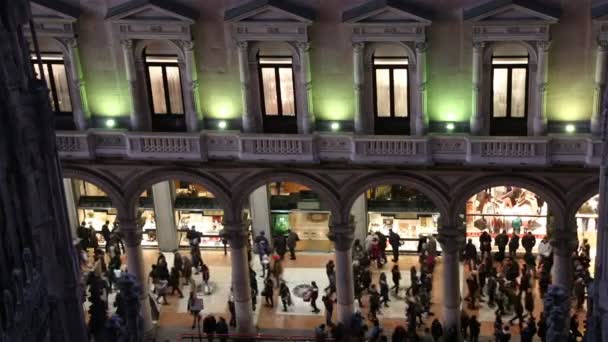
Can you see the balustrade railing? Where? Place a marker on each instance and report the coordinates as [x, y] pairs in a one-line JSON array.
[[328, 147]]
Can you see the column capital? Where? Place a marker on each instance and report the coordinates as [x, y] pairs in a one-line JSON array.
[[71, 43], [187, 45], [126, 43], [303, 46], [342, 235], [421, 47], [358, 47], [544, 45], [602, 45], [236, 233], [451, 239], [242, 45], [564, 243], [478, 45]]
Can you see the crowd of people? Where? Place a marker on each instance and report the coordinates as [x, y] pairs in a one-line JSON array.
[[504, 280]]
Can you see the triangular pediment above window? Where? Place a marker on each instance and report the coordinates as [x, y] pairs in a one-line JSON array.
[[151, 10], [511, 12], [269, 11], [599, 13], [53, 10], [386, 12]]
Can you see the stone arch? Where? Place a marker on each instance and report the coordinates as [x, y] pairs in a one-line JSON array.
[[140, 45], [370, 49], [146, 179], [491, 47], [255, 47], [245, 187], [103, 182], [352, 190], [578, 196], [467, 189]]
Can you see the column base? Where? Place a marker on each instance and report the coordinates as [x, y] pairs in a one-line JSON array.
[[345, 313]]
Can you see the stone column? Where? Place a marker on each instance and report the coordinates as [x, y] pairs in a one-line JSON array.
[[360, 121], [359, 213], [192, 104], [138, 122], [539, 120], [259, 204], [249, 119], [342, 236], [564, 244], [601, 58], [237, 237], [164, 214], [80, 107], [420, 119], [599, 293], [477, 108], [452, 241], [132, 232], [72, 205], [306, 117]]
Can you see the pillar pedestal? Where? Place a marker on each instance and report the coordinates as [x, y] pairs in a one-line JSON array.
[[135, 265], [452, 241], [342, 236], [237, 237]]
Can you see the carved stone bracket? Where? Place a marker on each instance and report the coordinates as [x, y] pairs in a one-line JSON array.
[[236, 234], [451, 240], [342, 236], [564, 243]]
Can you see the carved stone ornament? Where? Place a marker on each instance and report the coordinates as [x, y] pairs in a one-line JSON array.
[[358, 47], [451, 240], [303, 46], [342, 236], [564, 242], [421, 47], [236, 234], [127, 43]]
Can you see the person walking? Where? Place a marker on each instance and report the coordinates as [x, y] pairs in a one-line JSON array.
[[280, 245], [221, 329], [205, 275], [330, 270], [436, 330], [328, 303], [268, 292], [314, 294], [501, 241], [513, 245], [474, 329], [470, 255], [195, 306], [209, 325], [174, 282], [285, 296], [292, 241], [395, 241], [485, 244], [384, 290], [232, 309], [396, 278], [186, 269], [528, 241]]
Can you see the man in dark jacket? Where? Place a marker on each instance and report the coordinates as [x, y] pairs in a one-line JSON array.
[[209, 325], [474, 329], [292, 241], [395, 241], [485, 244], [513, 245], [528, 241], [501, 241], [470, 254], [222, 329], [280, 245], [436, 330]]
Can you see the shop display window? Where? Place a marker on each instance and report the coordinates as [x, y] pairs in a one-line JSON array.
[[587, 224], [206, 222], [309, 225], [508, 208], [408, 225]]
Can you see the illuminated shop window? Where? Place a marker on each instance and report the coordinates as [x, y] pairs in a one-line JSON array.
[[164, 85], [509, 87], [390, 87], [277, 86], [56, 78]]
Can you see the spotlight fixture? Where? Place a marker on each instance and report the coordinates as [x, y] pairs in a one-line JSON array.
[[570, 128], [222, 124], [110, 123], [450, 126], [335, 126]]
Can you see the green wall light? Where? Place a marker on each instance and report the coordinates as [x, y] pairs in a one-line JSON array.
[[570, 128], [450, 126], [110, 123]]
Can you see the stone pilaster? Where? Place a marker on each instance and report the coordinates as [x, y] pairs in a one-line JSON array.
[[237, 235], [477, 115], [564, 243], [601, 58], [420, 119], [249, 120], [539, 120], [360, 120], [342, 236], [192, 104], [80, 107], [306, 117], [452, 240], [164, 214]]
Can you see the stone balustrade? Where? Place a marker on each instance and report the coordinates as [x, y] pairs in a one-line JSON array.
[[331, 147]]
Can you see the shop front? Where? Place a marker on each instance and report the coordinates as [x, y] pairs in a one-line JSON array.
[[508, 208], [587, 224]]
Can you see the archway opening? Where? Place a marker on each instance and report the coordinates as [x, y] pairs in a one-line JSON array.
[[587, 218]]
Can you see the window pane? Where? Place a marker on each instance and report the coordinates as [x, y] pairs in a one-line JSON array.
[[500, 93], [518, 93], [383, 96], [270, 91], [46, 77], [287, 96], [400, 91], [61, 87], [390, 61], [510, 60], [157, 89], [175, 90], [275, 60]]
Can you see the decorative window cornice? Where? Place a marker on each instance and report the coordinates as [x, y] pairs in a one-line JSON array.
[[152, 19], [511, 20], [269, 20], [387, 21], [54, 19]]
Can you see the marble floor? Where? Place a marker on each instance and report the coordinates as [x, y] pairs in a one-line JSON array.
[[174, 317]]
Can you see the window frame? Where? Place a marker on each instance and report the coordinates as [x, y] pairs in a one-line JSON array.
[[509, 67], [163, 66], [48, 63], [390, 68], [276, 67]]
